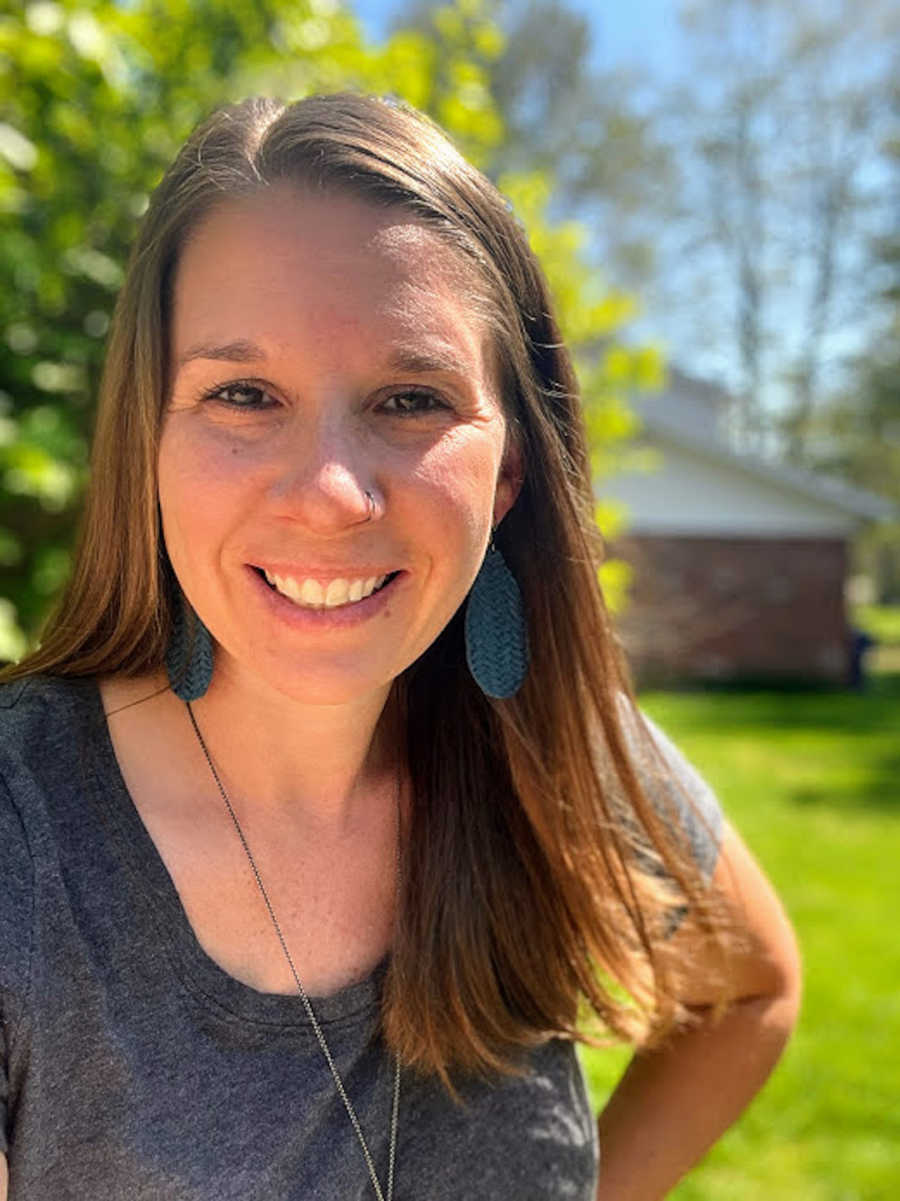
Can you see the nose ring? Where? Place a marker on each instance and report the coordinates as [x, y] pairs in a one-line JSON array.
[[371, 499]]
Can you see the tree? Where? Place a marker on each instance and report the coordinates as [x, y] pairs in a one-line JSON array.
[[739, 199], [584, 172], [778, 129], [592, 318], [582, 125], [859, 431], [94, 100], [95, 97]]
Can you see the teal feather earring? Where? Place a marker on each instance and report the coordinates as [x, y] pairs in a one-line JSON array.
[[495, 629], [189, 655]]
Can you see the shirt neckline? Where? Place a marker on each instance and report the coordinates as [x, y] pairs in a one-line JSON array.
[[197, 970]]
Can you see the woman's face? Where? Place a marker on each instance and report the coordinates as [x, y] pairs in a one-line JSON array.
[[323, 348]]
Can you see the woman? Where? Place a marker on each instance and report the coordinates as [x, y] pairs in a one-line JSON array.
[[328, 810]]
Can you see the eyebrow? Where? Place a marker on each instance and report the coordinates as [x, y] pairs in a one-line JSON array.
[[413, 360], [436, 361], [230, 352]]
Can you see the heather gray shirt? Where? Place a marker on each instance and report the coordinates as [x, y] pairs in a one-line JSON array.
[[135, 1069]]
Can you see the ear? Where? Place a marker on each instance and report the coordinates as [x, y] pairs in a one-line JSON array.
[[512, 473]]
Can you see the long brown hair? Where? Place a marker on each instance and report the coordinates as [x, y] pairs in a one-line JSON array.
[[526, 890]]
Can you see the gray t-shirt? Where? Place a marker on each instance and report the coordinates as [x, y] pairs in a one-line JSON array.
[[135, 1069]]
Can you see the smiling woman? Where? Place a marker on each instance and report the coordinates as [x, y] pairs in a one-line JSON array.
[[327, 805], [343, 457]]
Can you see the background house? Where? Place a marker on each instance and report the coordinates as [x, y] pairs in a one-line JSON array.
[[740, 563]]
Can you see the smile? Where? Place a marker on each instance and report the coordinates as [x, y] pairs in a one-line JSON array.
[[316, 594]]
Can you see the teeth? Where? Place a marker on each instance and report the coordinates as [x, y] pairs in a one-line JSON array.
[[336, 593], [311, 594]]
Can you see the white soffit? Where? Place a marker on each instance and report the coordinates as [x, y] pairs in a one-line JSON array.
[[696, 493]]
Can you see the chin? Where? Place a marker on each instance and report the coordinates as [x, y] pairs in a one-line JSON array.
[[322, 687]]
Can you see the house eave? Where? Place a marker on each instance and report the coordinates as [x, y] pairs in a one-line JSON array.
[[839, 496]]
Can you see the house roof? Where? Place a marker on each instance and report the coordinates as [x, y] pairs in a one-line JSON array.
[[691, 414]]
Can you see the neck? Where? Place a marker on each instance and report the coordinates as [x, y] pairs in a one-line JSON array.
[[322, 762]]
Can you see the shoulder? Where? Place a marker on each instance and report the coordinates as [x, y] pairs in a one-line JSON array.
[[677, 791], [40, 714], [20, 719], [16, 896], [24, 701], [47, 725], [42, 722]]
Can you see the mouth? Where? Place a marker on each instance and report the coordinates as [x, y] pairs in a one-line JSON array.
[[339, 593]]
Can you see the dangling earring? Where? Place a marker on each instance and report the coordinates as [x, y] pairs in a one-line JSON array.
[[189, 655], [496, 633]]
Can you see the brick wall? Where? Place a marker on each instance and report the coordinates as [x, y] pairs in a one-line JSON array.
[[725, 608]]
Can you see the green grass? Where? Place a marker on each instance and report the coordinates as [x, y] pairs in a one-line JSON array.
[[812, 781]]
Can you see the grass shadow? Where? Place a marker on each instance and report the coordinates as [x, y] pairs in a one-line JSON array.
[[849, 739]]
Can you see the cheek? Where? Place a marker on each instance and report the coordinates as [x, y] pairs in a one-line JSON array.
[[465, 468], [196, 490], [195, 456], [459, 476]]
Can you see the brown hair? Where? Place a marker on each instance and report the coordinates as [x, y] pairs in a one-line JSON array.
[[528, 892]]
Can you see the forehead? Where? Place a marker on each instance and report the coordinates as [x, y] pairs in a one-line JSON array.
[[287, 264]]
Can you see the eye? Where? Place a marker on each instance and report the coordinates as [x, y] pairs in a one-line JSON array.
[[414, 402], [241, 395]]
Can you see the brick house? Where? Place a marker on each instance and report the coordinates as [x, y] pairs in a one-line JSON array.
[[739, 563]]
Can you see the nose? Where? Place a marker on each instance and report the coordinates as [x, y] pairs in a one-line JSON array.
[[323, 479]]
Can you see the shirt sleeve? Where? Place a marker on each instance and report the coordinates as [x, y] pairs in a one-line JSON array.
[[16, 904], [682, 799], [677, 789]]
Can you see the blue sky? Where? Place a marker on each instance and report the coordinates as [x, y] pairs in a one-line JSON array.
[[637, 30], [647, 34]]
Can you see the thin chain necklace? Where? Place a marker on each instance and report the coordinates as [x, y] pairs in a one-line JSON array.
[[388, 1194]]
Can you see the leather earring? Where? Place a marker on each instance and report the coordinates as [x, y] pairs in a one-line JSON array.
[[495, 629], [189, 655]]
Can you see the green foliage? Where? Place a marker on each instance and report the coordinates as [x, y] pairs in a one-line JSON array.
[[882, 622], [860, 440], [95, 98], [592, 316]]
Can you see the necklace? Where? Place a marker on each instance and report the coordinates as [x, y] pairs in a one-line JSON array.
[[386, 1195]]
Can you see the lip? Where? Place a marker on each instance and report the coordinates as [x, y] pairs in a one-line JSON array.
[[340, 617]]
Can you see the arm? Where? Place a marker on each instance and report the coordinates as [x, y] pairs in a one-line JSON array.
[[672, 1104], [4, 1178]]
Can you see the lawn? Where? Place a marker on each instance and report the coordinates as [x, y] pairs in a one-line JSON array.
[[811, 781]]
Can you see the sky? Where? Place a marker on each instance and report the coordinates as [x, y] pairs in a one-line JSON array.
[[636, 30], [647, 34], [644, 33]]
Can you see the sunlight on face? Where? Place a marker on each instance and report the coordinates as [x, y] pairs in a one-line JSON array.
[[323, 349]]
